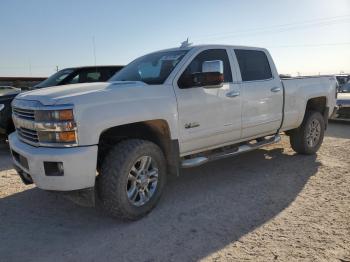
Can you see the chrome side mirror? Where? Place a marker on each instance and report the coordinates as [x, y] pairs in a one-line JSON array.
[[213, 66]]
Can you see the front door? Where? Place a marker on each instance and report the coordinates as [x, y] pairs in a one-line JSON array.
[[208, 117]]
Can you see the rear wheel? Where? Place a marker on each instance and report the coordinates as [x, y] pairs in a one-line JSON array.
[[308, 138], [132, 178]]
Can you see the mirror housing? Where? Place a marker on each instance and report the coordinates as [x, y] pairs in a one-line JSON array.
[[213, 66]]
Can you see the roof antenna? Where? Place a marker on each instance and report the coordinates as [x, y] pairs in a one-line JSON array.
[[185, 44]]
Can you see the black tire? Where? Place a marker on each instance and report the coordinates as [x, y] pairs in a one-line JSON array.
[[113, 178], [299, 136]]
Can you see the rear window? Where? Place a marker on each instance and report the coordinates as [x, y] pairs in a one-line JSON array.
[[253, 64]]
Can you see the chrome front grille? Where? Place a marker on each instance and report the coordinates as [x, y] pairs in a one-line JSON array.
[[28, 114], [28, 135], [24, 119]]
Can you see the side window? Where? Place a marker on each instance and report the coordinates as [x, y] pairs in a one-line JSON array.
[[93, 76], [85, 76], [253, 64], [208, 55], [74, 80]]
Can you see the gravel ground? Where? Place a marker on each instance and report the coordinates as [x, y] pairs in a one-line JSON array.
[[267, 205]]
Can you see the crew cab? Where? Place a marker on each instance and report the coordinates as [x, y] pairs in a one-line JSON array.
[[171, 109]]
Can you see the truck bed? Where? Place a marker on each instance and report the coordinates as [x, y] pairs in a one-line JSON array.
[[298, 90]]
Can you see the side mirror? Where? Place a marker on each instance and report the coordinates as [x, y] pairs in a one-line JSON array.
[[211, 76], [213, 66]]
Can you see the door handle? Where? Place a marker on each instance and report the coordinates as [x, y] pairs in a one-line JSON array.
[[275, 89], [232, 94]]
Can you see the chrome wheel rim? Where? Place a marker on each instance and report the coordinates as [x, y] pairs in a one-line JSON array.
[[313, 133], [142, 181]]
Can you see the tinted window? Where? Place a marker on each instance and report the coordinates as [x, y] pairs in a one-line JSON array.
[[208, 55], [85, 76], [253, 64]]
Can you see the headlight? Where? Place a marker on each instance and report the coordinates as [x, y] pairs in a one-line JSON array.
[[54, 115], [56, 127]]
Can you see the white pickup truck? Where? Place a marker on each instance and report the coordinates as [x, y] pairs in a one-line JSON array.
[[174, 108]]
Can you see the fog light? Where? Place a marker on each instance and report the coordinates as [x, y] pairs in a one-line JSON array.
[[54, 168]]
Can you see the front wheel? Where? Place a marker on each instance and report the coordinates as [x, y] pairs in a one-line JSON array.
[[132, 178], [308, 138]]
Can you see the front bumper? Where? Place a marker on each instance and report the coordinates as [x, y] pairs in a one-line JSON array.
[[79, 165]]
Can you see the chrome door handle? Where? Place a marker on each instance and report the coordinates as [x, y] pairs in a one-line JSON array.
[[232, 94], [275, 89]]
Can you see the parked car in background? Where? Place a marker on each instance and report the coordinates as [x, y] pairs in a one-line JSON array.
[[345, 88], [343, 104], [66, 76], [342, 80], [7, 94], [86, 74]]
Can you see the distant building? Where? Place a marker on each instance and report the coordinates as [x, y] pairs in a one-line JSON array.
[[20, 82]]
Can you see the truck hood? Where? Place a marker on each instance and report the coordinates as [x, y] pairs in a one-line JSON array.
[[70, 93]]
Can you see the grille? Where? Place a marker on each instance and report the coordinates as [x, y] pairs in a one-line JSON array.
[[24, 113], [27, 135]]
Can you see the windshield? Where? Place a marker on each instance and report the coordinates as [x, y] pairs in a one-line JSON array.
[[151, 69], [55, 79]]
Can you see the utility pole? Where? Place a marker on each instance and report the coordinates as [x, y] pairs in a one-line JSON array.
[[57, 68]]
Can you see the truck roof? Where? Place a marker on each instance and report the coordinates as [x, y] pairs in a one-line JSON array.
[[213, 46]]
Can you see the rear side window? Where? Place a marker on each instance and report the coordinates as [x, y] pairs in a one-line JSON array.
[[253, 64]]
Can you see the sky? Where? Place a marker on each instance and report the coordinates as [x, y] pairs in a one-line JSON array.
[[38, 36]]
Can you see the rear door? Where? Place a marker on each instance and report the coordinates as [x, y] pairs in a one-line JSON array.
[[262, 93]]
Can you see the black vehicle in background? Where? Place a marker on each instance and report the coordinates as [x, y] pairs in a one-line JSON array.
[[7, 94], [77, 75], [66, 76]]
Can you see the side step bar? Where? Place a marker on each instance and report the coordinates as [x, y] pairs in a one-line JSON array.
[[197, 161]]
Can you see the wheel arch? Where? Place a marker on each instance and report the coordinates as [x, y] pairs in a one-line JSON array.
[[156, 131], [318, 104]]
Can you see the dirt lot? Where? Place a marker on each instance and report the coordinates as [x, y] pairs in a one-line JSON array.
[[267, 205]]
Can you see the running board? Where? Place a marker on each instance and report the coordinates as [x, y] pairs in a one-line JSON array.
[[197, 161]]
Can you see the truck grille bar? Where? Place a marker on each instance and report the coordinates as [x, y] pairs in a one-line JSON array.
[[24, 113], [28, 135]]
